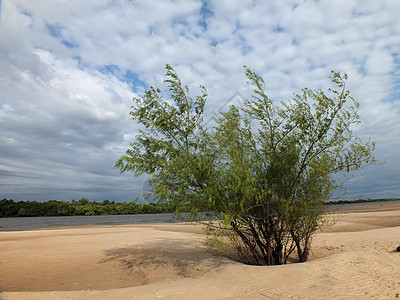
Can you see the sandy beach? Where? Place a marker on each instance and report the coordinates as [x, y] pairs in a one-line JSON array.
[[353, 259]]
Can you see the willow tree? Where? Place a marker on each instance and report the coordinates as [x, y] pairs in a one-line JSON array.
[[264, 169]]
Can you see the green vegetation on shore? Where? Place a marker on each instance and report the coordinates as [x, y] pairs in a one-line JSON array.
[[368, 200], [83, 207]]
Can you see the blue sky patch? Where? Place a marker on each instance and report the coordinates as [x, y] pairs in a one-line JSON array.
[[107, 69], [129, 77], [278, 28], [205, 13], [80, 64], [69, 44], [134, 82], [393, 97], [213, 43], [245, 47], [24, 12], [56, 31], [395, 91]]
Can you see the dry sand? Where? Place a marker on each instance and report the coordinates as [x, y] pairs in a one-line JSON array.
[[354, 259]]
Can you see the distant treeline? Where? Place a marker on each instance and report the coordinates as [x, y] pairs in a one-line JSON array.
[[83, 207], [368, 200]]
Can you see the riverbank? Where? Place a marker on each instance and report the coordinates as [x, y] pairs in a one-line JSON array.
[[354, 259]]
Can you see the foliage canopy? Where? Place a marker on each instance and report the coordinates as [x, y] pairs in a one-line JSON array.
[[264, 169]]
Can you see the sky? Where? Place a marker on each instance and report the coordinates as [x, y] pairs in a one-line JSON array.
[[69, 71]]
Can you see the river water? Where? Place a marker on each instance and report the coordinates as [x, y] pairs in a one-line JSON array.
[[28, 223]]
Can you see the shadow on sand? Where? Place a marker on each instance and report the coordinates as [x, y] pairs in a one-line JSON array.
[[166, 259]]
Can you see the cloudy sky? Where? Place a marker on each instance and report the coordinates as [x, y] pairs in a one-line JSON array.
[[69, 71]]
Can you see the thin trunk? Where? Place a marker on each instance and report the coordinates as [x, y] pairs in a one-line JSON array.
[[302, 252], [277, 253], [248, 243], [264, 250]]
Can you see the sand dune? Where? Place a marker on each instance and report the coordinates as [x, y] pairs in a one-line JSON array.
[[354, 259]]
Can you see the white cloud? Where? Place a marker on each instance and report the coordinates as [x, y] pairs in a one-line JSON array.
[[65, 94]]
